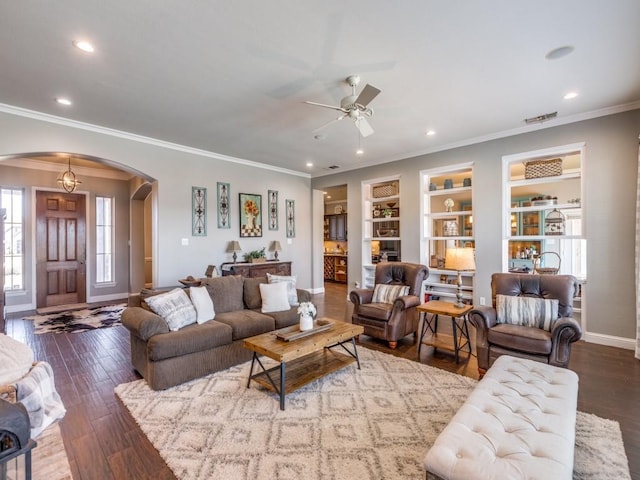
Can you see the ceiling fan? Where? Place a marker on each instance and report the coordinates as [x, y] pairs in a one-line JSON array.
[[354, 107]]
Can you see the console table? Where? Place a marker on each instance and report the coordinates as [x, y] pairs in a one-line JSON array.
[[256, 269]]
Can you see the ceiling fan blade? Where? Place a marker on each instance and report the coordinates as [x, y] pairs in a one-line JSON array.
[[329, 123], [368, 93], [327, 106], [363, 126]]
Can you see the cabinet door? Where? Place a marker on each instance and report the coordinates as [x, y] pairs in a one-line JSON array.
[[341, 227]]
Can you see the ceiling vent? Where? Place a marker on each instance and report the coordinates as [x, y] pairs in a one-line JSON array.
[[333, 167], [541, 118]]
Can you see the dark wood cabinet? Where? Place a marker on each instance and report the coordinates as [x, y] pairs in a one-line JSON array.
[[3, 215], [335, 268], [335, 227], [252, 270]]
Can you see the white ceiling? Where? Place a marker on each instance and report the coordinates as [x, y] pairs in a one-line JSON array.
[[231, 76]]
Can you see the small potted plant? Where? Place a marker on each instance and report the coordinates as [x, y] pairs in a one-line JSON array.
[[255, 256], [387, 212]]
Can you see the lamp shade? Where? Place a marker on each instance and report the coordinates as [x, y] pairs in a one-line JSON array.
[[459, 259], [234, 246], [275, 246]]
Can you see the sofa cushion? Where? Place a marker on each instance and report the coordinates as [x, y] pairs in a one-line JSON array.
[[377, 311], [174, 307], [252, 298], [246, 323], [190, 339], [274, 297], [226, 293], [285, 318], [525, 339], [291, 281], [388, 293], [527, 311], [202, 303]]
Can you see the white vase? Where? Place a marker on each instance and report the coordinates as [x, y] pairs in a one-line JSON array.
[[306, 323]]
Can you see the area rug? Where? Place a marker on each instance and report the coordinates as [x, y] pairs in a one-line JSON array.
[[48, 460], [372, 424], [76, 321]]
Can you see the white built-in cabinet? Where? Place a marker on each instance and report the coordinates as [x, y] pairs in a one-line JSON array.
[[381, 225], [543, 215], [447, 222]]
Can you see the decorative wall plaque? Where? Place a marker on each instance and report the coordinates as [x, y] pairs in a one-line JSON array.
[[199, 211]]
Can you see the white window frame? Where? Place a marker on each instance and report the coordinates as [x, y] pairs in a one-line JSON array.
[[101, 256], [9, 242]]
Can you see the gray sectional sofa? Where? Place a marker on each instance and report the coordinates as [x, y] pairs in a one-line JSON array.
[[168, 358]]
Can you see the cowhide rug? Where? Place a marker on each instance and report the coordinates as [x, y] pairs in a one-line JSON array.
[[76, 321]]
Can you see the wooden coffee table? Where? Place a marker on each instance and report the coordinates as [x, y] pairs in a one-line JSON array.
[[302, 360]]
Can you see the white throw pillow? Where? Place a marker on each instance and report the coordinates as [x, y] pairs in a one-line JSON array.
[[274, 297], [292, 293], [203, 304], [527, 311], [388, 293], [174, 307]]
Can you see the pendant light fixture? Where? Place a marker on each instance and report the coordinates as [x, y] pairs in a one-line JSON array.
[[67, 179]]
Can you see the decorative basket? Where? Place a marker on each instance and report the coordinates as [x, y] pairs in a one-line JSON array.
[[543, 168], [546, 270], [258, 260], [385, 190]]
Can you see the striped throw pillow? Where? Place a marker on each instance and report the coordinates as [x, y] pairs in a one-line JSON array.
[[388, 293], [527, 311]]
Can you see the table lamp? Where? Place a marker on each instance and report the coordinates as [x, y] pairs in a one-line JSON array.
[[459, 259], [275, 247], [234, 246]]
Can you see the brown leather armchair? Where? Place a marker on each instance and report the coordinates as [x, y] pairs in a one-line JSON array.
[[494, 339], [388, 321]]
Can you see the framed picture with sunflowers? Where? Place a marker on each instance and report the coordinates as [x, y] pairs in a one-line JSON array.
[[250, 215]]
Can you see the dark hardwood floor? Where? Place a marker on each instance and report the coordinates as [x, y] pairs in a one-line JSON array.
[[103, 442]]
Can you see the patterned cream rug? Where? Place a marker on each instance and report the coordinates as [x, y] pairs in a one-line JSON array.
[[372, 424]]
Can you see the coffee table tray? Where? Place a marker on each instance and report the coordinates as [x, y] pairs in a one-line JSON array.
[[293, 333]]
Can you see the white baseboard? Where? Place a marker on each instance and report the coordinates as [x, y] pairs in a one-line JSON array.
[[108, 298], [313, 291], [25, 307], [610, 340]]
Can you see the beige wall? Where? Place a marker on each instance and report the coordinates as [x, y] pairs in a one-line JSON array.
[[176, 171], [611, 167]]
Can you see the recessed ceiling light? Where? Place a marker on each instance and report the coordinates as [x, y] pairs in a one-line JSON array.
[[324, 193], [430, 133], [359, 152], [559, 52], [570, 95], [309, 164], [83, 45], [63, 101], [328, 196]]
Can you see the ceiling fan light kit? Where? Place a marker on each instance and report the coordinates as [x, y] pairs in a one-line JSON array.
[[353, 106]]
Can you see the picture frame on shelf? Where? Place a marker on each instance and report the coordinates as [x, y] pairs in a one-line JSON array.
[[273, 209], [223, 205], [199, 211], [250, 215]]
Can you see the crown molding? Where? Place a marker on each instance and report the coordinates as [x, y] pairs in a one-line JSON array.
[[578, 117], [45, 117]]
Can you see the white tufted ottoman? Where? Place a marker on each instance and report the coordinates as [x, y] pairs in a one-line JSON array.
[[518, 423]]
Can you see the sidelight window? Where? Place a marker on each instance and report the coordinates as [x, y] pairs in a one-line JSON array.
[[12, 200], [104, 239]]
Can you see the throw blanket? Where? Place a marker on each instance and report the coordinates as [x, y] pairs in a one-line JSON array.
[[37, 392]]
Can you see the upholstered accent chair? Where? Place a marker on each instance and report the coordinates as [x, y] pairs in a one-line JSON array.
[[388, 311], [548, 339]]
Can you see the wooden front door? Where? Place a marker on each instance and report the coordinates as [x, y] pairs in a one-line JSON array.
[[60, 249]]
